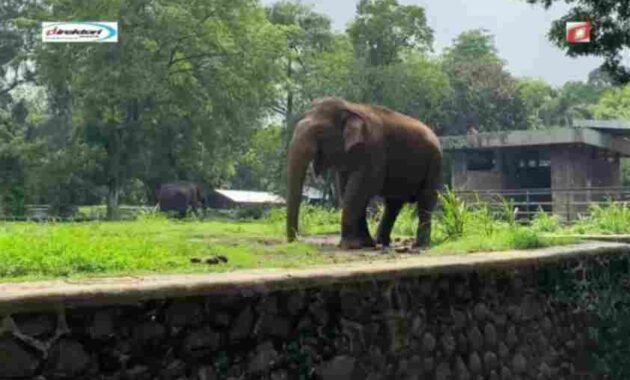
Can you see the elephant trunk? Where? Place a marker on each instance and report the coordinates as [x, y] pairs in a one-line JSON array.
[[301, 153]]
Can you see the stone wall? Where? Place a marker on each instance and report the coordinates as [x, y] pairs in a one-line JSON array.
[[479, 322]]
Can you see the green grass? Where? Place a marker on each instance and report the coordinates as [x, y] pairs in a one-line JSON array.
[[608, 218], [148, 245], [155, 244]]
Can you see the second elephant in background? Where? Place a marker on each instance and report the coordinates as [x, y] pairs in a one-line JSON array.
[[180, 196]]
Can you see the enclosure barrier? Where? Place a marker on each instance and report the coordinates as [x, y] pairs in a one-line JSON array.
[[44, 213], [570, 204], [506, 315]]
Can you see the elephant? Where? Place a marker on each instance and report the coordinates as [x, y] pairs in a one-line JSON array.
[[179, 196], [374, 151]]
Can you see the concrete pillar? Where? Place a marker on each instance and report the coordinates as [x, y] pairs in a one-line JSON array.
[[568, 171]]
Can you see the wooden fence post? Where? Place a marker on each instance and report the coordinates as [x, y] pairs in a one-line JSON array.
[[527, 202]]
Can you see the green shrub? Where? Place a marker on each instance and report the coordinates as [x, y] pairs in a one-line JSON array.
[[544, 222], [508, 211], [454, 215], [608, 218], [525, 238], [481, 220]]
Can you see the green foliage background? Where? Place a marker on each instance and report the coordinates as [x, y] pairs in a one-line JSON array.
[[210, 91]]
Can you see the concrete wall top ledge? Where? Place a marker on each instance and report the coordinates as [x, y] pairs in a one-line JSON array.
[[60, 293]]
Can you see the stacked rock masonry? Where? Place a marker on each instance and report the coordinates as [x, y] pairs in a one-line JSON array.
[[488, 324]]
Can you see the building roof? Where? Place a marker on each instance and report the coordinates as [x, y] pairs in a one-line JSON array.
[[243, 196], [313, 193], [615, 127], [554, 136]]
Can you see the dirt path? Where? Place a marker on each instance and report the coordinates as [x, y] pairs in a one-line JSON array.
[[328, 243]]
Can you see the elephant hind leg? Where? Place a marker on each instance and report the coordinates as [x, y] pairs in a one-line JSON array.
[[426, 201], [392, 208], [425, 208], [364, 232]]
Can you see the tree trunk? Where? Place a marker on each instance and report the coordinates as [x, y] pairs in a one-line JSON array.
[[114, 180], [289, 109], [112, 203]]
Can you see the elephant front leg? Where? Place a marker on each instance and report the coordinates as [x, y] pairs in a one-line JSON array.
[[354, 231], [341, 180], [354, 228]]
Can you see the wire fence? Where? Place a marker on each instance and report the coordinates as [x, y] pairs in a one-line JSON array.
[[567, 203], [44, 213]]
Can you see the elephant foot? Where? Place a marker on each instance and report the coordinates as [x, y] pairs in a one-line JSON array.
[[419, 247], [355, 243], [385, 242]]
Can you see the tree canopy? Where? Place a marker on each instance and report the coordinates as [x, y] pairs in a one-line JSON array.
[[210, 91], [610, 23]]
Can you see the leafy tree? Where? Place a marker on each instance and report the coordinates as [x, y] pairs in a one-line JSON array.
[[16, 151], [417, 86], [308, 33], [537, 95], [317, 63], [16, 157], [600, 78], [610, 21], [70, 176], [259, 167], [381, 31], [484, 94], [332, 72], [572, 101], [614, 104], [187, 81], [14, 46], [474, 45]]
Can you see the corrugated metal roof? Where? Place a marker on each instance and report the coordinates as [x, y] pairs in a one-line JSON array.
[[313, 193], [243, 196]]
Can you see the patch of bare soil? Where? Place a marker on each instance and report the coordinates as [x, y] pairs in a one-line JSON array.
[[328, 243]]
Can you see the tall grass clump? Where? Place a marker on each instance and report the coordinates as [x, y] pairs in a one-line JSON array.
[[607, 218], [407, 221], [454, 216], [525, 238], [483, 220], [544, 222], [508, 211]]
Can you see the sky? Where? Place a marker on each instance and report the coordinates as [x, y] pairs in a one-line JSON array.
[[520, 32]]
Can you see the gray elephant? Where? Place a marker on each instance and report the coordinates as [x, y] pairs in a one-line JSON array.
[[179, 197], [374, 151]]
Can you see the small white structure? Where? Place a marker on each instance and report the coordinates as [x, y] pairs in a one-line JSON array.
[[312, 194], [223, 198]]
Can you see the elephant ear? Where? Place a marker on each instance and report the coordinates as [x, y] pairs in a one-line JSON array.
[[354, 129]]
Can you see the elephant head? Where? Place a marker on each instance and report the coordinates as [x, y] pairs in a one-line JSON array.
[[325, 135]]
